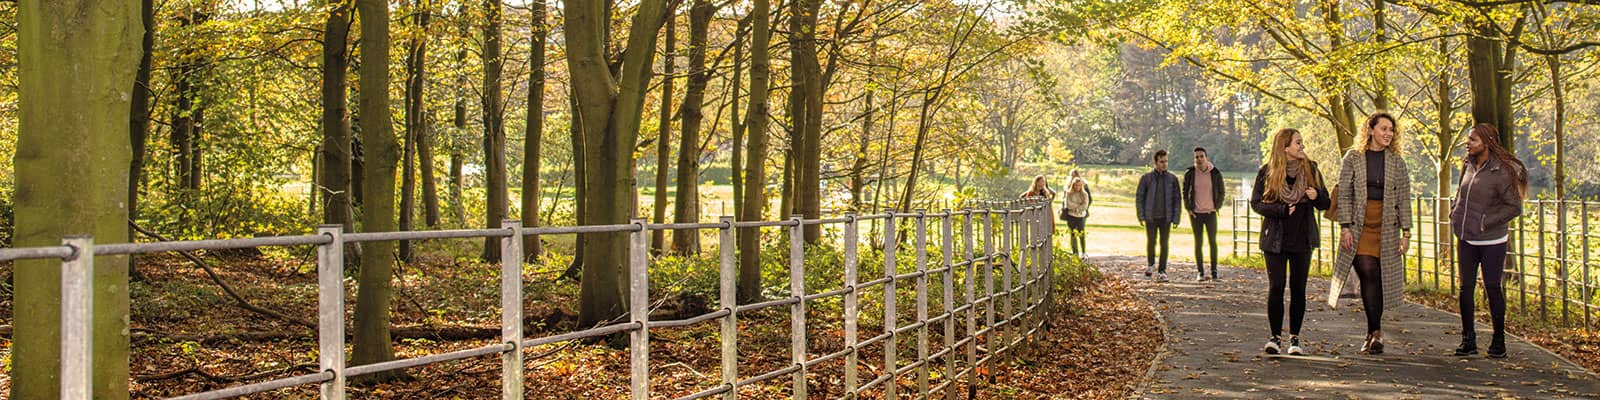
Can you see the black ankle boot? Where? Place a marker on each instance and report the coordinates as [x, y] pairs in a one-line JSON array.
[[1469, 344], [1497, 346]]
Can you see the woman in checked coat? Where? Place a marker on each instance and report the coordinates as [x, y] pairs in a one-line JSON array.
[[1374, 207]]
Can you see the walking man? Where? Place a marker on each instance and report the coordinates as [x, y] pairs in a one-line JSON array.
[[1157, 203], [1203, 193]]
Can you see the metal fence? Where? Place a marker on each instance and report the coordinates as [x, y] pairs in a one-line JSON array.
[[1015, 239], [1548, 261]]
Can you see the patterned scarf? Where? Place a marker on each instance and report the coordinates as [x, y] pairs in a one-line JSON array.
[[1293, 194]]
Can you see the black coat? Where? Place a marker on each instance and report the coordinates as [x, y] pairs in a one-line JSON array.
[[1276, 217]]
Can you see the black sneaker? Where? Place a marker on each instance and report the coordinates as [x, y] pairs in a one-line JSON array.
[[1497, 346], [1272, 346], [1469, 345], [1294, 346]]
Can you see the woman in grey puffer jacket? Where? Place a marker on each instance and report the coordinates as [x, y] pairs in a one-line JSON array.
[[1493, 185]]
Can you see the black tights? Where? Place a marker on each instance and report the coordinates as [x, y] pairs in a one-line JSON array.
[[1370, 270], [1492, 258], [1287, 269]]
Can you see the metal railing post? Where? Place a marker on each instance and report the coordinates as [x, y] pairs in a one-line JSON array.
[[1007, 224], [1544, 295], [889, 317], [922, 303], [727, 272], [988, 283], [797, 311], [639, 309], [947, 248], [1561, 258], [969, 280], [77, 319], [1586, 290], [511, 310], [851, 317], [330, 310]]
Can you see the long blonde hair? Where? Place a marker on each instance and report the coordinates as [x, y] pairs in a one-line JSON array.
[[1372, 123], [1278, 166]]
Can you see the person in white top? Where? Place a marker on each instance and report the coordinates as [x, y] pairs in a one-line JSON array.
[[1493, 184], [1075, 210]]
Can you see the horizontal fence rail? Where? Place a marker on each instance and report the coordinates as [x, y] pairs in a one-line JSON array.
[[1549, 260], [995, 314]]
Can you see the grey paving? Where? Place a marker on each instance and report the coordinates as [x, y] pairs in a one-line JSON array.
[[1215, 330]]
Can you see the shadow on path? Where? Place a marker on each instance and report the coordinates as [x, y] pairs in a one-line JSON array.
[[1215, 331]]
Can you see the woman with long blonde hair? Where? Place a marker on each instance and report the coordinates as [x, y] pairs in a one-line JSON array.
[[1286, 191], [1374, 208]]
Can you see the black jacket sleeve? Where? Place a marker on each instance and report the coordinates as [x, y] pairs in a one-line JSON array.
[[1269, 210]]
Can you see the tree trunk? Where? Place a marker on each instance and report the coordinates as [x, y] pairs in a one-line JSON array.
[[611, 109], [1491, 100], [1380, 98], [371, 340], [664, 136], [858, 180], [533, 135], [1556, 89], [186, 121], [736, 163], [580, 189], [335, 183], [924, 120], [1446, 135], [139, 122], [416, 121], [64, 121], [457, 157], [494, 131], [810, 166], [686, 208], [749, 285]]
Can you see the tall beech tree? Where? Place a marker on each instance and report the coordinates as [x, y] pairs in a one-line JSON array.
[[755, 179], [610, 109], [686, 208], [533, 137], [72, 136], [371, 342], [494, 129]]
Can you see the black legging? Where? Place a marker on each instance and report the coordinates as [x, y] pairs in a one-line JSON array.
[[1292, 267], [1370, 270], [1492, 258], [1205, 231], [1152, 228], [1077, 235]]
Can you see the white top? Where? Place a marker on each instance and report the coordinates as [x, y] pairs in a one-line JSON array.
[[1489, 242]]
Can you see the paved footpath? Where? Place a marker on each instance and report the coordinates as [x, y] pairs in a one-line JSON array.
[[1215, 330]]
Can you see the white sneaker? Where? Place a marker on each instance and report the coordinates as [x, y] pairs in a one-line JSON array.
[[1161, 277], [1272, 346], [1294, 346], [1149, 270], [1201, 277]]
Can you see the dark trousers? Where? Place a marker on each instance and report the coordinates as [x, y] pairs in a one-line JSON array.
[[1154, 228], [1370, 270], [1205, 231], [1287, 269], [1077, 235], [1493, 259]]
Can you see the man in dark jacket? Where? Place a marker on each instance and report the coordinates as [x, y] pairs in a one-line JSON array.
[[1203, 194], [1157, 202]]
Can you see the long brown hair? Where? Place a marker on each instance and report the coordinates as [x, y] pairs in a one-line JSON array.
[[1372, 123], [1491, 143], [1278, 166]]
